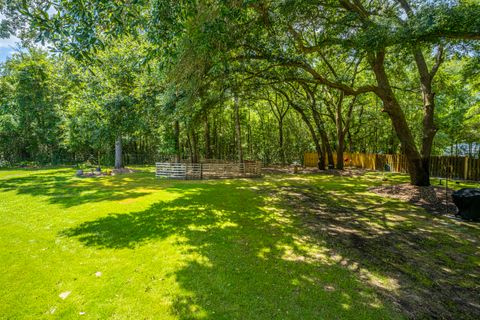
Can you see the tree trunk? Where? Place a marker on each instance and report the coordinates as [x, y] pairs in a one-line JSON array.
[[280, 141], [208, 149], [215, 151], [318, 147], [189, 145], [176, 129], [340, 148], [194, 147], [426, 79], [327, 149], [340, 133], [118, 152], [343, 128], [250, 143], [417, 167], [238, 132], [321, 156], [348, 138]]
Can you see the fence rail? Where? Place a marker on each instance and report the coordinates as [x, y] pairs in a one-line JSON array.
[[464, 168], [207, 170]]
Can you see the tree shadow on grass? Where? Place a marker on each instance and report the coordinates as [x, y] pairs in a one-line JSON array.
[[254, 262], [63, 188], [432, 261]]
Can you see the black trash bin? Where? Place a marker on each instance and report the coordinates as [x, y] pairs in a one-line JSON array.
[[467, 201]]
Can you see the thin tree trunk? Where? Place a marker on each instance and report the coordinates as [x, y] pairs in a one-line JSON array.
[[176, 127], [280, 141], [195, 147], [340, 133], [189, 145], [318, 147], [215, 151], [311, 129], [208, 149], [350, 142], [238, 129], [340, 150], [342, 129], [249, 132], [323, 134], [327, 149], [118, 152]]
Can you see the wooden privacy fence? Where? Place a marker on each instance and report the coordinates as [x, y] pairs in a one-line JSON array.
[[465, 168], [207, 170]]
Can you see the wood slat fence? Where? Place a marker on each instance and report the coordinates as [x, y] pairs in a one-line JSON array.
[[207, 170], [464, 168]]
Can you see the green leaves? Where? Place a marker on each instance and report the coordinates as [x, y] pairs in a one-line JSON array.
[[31, 101]]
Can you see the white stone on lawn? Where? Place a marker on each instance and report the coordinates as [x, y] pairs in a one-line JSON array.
[[65, 294]]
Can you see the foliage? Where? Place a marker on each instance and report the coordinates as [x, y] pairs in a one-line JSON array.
[[371, 76], [32, 101]]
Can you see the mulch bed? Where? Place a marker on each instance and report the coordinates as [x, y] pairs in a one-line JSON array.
[[433, 199], [104, 173], [123, 171]]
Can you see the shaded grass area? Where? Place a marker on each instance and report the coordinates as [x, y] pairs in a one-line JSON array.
[[428, 265], [282, 247]]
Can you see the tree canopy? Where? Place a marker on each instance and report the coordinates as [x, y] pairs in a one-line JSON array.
[[264, 80]]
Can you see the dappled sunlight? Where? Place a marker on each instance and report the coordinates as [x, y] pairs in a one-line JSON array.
[[69, 191], [238, 251], [315, 247], [295, 179], [395, 247]]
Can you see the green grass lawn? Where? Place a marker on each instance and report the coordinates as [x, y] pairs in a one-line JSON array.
[[280, 247]]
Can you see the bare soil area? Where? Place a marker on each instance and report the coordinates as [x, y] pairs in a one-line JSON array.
[[434, 199]]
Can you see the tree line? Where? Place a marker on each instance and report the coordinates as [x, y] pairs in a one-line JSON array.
[[241, 80]]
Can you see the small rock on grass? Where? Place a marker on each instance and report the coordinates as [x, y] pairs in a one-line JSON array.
[[65, 294], [98, 274]]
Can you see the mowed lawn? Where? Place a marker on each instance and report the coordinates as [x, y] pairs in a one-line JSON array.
[[278, 247]]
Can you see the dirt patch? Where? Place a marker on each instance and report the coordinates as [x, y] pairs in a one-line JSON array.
[[94, 174], [123, 171], [432, 198]]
